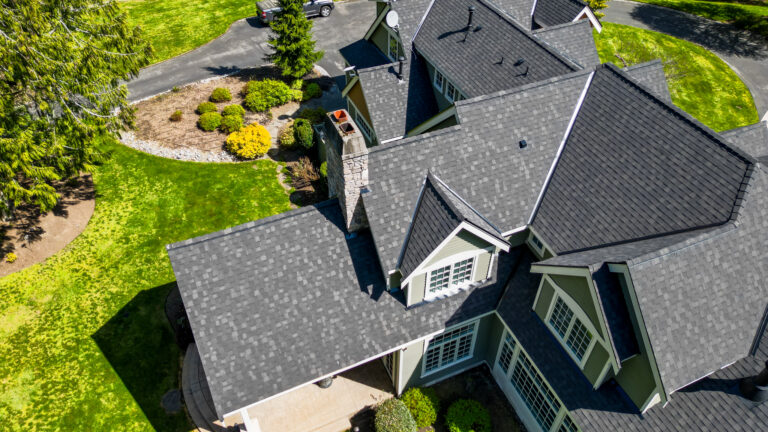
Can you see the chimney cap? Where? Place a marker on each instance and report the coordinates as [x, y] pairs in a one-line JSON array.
[[471, 8]]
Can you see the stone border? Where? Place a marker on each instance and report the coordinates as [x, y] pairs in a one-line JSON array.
[[184, 154]]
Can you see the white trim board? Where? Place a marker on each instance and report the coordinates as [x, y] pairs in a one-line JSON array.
[[591, 17]]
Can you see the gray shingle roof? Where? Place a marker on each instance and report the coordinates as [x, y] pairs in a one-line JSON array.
[[474, 64], [574, 40], [438, 212], [486, 142], [268, 315], [752, 139], [520, 10], [410, 15], [616, 312], [651, 75], [554, 12], [635, 167], [363, 54]]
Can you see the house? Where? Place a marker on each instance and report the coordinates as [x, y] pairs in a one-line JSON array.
[[601, 251]]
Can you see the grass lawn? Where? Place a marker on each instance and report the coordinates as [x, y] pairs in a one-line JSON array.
[[752, 16], [84, 339], [177, 26], [700, 83]]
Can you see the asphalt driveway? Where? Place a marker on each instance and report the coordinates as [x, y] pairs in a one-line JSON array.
[[746, 53], [244, 45]]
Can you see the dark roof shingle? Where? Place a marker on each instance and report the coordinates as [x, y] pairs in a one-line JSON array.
[[555, 12], [574, 40]]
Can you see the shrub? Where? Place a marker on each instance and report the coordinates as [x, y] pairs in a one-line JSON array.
[[393, 416], [233, 110], [312, 91], [10, 257], [176, 116], [324, 169], [423, 403], [221, 94], [231, 123], [209, 121], [249, 142], [175, 89], [467, 415], [304, 172], [206, 107], [314, 115], [287, 139], [263, 95], [297, 84], [302, 132]]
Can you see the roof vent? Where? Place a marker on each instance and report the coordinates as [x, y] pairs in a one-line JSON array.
[[519, 61], [471, 10], [400, 62], [523, 144], [756, 388]]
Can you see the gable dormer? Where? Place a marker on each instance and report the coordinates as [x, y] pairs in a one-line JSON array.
[[449, 246]]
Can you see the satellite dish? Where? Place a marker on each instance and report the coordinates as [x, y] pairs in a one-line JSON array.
[[392, 19]]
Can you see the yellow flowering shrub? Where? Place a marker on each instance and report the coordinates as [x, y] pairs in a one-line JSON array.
[[249, 142], [10, 257]]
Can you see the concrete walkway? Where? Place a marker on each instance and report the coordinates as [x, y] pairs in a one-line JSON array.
[[245, 45], [746, 53]]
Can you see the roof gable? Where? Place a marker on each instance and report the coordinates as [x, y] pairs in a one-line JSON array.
[[554, 12], [574, 40], [752, 139], [635, 167]]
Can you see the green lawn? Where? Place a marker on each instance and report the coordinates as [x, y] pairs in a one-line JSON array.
[[752, 16], [84, 340], [700, 83], [177, 26]]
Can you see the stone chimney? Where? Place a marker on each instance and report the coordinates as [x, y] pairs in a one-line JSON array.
[[347, 163]]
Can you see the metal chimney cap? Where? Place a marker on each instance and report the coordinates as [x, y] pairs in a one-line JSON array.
[[471, 8], [401, 59]]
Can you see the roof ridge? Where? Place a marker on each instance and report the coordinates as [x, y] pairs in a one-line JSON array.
[[454, 193], [249, 225], [558, 26]]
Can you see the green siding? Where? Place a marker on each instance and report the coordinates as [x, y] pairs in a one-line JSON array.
[[442, 102], [380, 38], [546, 291], [636, 378], [577, 287], [595, 363], [417, 288], [395, 279], [462, 242], [518, 238], [450, 121], [483, 261], [380, 6]]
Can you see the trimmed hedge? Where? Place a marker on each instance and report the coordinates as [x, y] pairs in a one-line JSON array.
[[302, 132], [262, 95], [393, 416], [176, 116], [467, 415], [231, 123], [206, 107], [312, 91], [221, 94], [233, 110], [287, 139], [209, 121], [250, 142], [423, 403]]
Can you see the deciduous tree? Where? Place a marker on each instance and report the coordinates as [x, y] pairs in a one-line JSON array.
[[293, 49], [61, 67]]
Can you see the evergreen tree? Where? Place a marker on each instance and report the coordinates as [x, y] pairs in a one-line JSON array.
[[596, 5], [61, 64], [292, 45]]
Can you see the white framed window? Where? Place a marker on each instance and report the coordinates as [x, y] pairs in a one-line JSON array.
[[536, 244], [507, 351], [450, 347], [568, 425], [450, 91], [571, 331], [454, 275], [439, 81], [393, 47]]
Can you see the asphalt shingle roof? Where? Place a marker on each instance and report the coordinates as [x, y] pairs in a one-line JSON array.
[[575, 41], [554, 12], [651, 75], [752, 139], [635, 167], [486, 141], [438, 213], [483, 61], [268, 316], [520, 10], [363, 54], [614, 307]]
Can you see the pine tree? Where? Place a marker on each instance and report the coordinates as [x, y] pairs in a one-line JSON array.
[[596, 5], [61, 65], [292, 45]]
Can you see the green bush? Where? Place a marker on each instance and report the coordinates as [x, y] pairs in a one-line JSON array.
[[302, 132], [221, 94], [312, 91], [231, 123], [206, 107], [209, 121], [314, 115], [287, 139], [233, 110], [393, 416], [467, 415], [324, 169], [176, 116], [297, 84], [263, 95], [423, 403]]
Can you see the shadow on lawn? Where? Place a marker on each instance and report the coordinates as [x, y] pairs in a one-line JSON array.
[[139, 344]]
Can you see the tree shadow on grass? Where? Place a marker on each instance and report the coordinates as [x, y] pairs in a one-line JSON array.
[[139, 344]]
